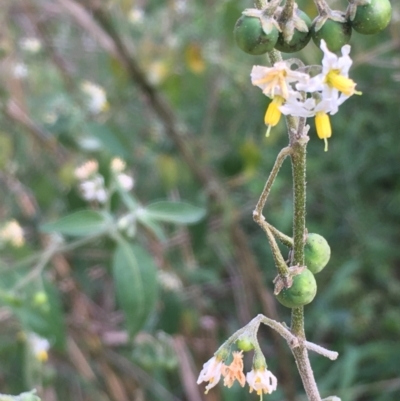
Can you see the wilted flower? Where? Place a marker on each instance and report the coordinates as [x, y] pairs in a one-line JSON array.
[[211, 373], [234, 371], [261, 381]]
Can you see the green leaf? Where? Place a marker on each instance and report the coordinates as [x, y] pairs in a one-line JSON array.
[[80, 224], [135, 277], [175, 212], [107, 139]]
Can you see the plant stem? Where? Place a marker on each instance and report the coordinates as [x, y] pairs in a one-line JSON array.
[[299, 216]]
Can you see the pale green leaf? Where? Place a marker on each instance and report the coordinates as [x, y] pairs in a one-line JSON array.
[[135, 278], [174, 212], [80, 224]]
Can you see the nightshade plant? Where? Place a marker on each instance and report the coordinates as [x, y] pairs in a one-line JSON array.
[[297, 93]]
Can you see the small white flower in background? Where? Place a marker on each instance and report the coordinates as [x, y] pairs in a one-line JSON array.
[[94, 190], [118, 165], [20, 70], [261, 381], [136, 15], [125, 181], [211, 373], [39, 347], [86, 170], [97, 98], [12, 233], [31, 45], [169, 281]]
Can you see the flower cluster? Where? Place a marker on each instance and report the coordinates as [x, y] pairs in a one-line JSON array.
[[92, 186], [259, 379], [289, 90]]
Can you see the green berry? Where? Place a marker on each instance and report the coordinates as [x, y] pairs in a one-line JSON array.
[[244, 344], [302, 291], [299, 39], [372, 18], [336, 34], [251, 38], [317, 252]]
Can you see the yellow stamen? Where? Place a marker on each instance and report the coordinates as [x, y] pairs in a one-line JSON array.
[[323, 126], [342, 84], [42, 356], [273, 114]]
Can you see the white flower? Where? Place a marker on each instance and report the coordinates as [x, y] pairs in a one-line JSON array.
[[31, 45], [211, 373], [39, 346], [275, 80], [97, 98], [20, 71], [93, 189], [136, 15], [13, 233], [125, 181], [334, 77], [315, 108], [261, 381], [86, 170]]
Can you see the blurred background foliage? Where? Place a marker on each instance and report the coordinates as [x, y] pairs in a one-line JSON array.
[[170, 94]]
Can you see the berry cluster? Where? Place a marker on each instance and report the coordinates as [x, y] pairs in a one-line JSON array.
[[304, 288], [259, 31]]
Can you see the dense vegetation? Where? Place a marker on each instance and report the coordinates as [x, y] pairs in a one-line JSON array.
[[162, 86]]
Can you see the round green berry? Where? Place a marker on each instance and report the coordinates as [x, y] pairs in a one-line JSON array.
[[336, 34], [302, 291], [251, 38], [244, 344], [299, 39], [317, 252], [372, 18]]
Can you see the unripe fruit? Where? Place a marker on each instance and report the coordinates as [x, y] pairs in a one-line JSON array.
[[244, 344], [317, 252], [302, 291], [299, 39], [336, 34], [251, 38], [372, 18]]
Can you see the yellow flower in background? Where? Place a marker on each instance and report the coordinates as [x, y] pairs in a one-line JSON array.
[[194, 58]]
